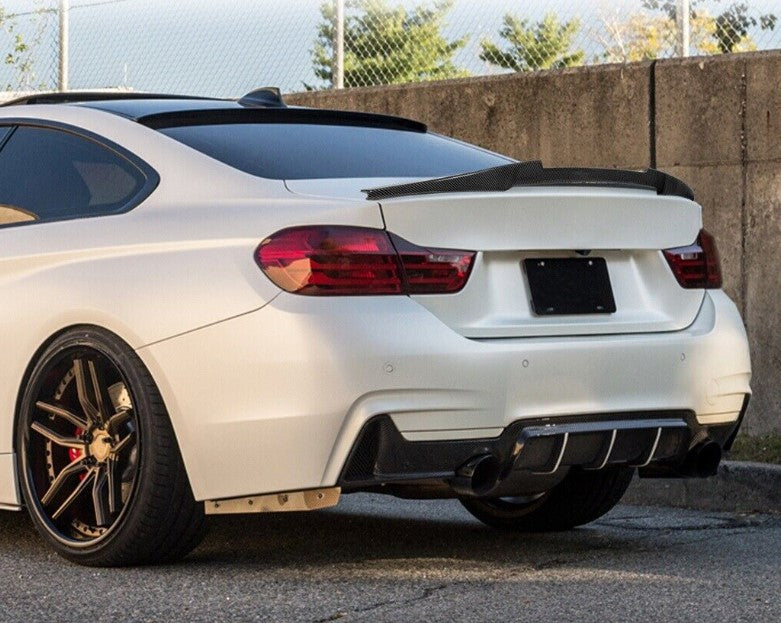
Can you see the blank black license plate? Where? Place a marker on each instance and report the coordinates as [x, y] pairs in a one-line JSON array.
[[569, 286]]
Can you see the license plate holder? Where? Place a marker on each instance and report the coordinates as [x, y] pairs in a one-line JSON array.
[[563, 286]]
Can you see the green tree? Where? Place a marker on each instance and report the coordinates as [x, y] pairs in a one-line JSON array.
[[544, 45], [18, 53], [729, 29], [732, 26], [387, 45], [645, 36]]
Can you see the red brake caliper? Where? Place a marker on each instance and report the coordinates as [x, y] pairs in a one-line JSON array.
[[74, 453]]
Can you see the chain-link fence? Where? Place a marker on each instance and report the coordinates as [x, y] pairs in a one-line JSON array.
[[227, 47]]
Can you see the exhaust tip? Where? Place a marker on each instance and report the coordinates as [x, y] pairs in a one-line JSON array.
[[708, 459], [703, 460], [477, 476]]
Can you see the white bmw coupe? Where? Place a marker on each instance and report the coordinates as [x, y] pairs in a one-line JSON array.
[[218, 306]]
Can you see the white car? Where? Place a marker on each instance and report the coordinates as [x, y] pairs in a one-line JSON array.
[[231, 306]]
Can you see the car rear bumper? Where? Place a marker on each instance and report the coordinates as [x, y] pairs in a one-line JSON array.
[[277, 399], [532, 455]]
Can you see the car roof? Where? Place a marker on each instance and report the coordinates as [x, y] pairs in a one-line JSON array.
[[165, 110], [139, 108]]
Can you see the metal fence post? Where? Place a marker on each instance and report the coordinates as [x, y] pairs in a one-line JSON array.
[[682, 18], [338, 68], [62, 81]]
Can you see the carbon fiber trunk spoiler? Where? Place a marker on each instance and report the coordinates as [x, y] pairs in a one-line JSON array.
[[532, 173]]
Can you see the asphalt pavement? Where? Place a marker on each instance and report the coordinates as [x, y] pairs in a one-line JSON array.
[[376, 558]]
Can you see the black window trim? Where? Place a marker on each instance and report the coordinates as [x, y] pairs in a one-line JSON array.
[[151, 177], [4, 138]]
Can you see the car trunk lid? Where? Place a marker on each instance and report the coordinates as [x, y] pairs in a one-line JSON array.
[[625, 227]]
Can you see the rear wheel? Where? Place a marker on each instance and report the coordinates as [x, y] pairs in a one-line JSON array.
[[580, 498], [99, 465]]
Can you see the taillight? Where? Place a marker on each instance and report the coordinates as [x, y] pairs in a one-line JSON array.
[[330, 260], [696, 266], [432, 271]]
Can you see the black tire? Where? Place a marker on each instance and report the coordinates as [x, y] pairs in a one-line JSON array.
[[580, 498], [125, 498]]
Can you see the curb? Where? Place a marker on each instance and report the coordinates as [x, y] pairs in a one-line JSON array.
[[738, 487]]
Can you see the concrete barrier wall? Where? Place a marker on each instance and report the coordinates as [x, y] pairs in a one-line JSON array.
[[715, 122]]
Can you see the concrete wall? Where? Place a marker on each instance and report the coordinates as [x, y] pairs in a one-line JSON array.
[[715, 122]]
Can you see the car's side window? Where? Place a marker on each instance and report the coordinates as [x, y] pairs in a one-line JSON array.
[[48, 174]]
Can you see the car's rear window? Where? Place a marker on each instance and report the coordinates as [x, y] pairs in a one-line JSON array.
[[314, 151]]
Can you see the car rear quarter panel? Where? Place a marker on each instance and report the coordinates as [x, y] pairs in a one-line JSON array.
[[182, 260]]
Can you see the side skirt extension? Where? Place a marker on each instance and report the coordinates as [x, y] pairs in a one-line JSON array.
[[309, 500]]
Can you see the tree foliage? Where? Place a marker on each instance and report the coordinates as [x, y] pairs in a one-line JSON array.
[[643, 36], [728, 29], [732, 26], [542, 45], [18, 53], [387, 45]]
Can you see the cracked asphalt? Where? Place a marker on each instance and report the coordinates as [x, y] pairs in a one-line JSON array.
[[376, 558]]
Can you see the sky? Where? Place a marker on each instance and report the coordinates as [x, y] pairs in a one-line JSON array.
[[229, 47]]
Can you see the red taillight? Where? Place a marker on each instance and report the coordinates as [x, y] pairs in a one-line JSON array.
[[337, 260], [696, 266], [432, 271]]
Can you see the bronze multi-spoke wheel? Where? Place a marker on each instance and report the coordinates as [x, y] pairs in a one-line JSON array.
[[99, 464]]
